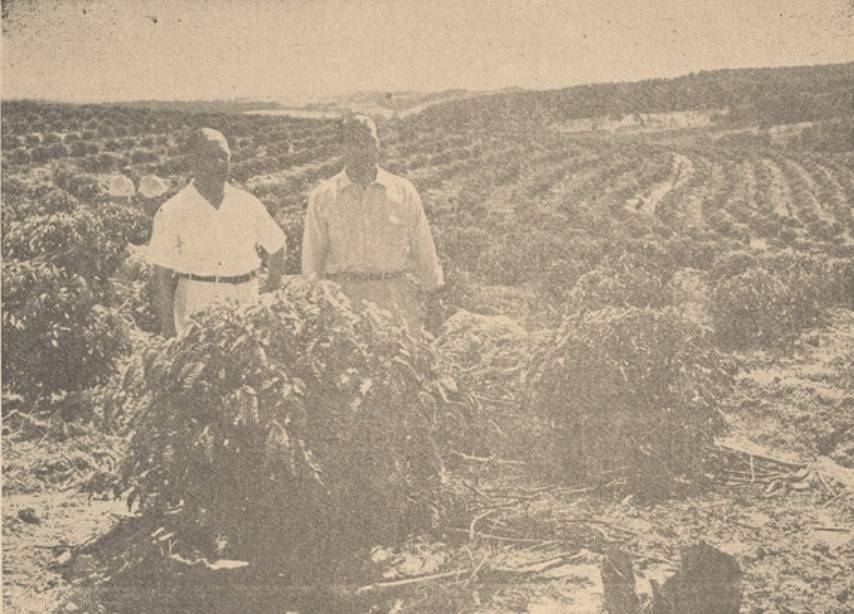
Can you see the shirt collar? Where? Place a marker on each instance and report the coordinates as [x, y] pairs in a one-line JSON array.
[[383, 178], [227, 189]]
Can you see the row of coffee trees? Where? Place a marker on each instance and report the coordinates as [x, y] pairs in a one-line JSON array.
[[503, 209]]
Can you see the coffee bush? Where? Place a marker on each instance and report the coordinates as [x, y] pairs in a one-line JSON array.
[[771, 301], [840, 276], [62, 330], [290, 423], [57, 335], [628, 391], [293, 227], [133, 286], [755, 308], [731, 263], [463, 244], [628, 280]]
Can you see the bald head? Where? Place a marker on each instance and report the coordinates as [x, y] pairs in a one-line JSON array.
[[204, 138], [208, 156]]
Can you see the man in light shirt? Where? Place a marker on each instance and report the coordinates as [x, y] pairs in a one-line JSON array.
[[203, 245], [366, 230]]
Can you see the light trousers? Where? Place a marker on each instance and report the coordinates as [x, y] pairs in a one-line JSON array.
[[191, 296]]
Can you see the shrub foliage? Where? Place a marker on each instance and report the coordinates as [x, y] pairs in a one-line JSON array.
[[628, 390], [61, 326], [629, 280], [773, 299], [292, 417]]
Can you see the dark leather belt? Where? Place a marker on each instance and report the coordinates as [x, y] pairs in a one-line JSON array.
[[360, 276], [217, 279]]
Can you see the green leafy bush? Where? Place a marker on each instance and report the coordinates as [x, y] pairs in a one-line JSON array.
[[771, 301], [83, 187], [23, 201], [796, 268], [57, 335], [133, 285], [629, 280], [537, 257], [628, 391], [677, 252], [840, 276], [289, 423], [754, 308], [73, 237], [19, 157], [463, 244], [502, 263], [292, 225], [731, 263], [125, 223], [62, 330]]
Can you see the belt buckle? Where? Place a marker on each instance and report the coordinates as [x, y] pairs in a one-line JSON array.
[[216, 279]]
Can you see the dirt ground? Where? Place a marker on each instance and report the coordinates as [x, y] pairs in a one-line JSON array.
[[530, 546]]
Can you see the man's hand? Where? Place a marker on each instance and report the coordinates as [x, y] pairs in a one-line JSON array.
[[165, 282], [275, 270]]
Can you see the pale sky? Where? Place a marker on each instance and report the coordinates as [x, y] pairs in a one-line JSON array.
[[112, 50]]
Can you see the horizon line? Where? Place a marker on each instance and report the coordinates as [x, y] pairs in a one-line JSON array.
[[315, 99]]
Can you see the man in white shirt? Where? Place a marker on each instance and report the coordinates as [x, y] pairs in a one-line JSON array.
[[203, 245], [366, 229]]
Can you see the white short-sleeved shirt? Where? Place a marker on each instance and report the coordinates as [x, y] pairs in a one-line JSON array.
[[191, 236]]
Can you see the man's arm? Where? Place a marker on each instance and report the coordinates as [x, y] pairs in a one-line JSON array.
[[423, 250], [164, 254], [165, 282], [275, 270], [270, 236], [315, 242], [427, 267]]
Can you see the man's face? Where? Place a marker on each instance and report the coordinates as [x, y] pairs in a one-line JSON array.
[[209, 161], [360, 145]]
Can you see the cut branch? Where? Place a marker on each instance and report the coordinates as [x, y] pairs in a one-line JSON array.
[[409, 581], [751, 454], [487, 459]]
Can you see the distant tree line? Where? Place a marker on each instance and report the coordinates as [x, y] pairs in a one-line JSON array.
[[761, 95]]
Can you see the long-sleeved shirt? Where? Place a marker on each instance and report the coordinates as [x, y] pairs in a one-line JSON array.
[[380, 228]]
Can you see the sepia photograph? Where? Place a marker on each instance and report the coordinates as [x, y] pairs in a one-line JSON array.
[[427, 306]]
